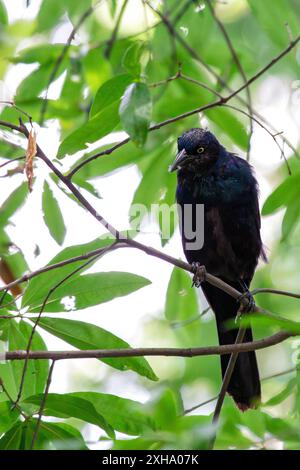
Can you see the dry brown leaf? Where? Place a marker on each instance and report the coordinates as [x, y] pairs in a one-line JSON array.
[[30, 154], [7, 276]]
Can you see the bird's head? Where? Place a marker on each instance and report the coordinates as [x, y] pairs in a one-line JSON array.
[[198, 150]]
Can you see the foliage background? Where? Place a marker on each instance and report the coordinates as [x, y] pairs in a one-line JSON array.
[[35, 227]]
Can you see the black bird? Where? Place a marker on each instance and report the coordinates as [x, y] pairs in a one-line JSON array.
[[224, 183]]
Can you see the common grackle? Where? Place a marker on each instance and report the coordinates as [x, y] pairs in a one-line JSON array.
[[224, 183]]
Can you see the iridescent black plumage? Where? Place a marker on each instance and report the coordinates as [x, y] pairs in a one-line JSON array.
[[224, 183]]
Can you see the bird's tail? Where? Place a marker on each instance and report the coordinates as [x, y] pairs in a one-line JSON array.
[[244, 385]]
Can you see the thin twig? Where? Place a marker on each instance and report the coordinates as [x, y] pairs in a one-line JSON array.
[[112, 39], [13, 105], [269, 377], [11, 161], [11, 399], [45, 269], [275, 291], [226, 380], [239, 66], [273, 136], [42, 406], [206, 402]]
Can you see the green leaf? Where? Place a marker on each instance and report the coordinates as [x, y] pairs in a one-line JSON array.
[[86, 185], [76, 9], [96, 69], [43, 53], [99, 126], [52, 436], [181, 300], [124, 415], [128, 154], [16, 263], [4, 324], [283, 195], [14, 201], [3, 14], [70, 406], [37, 370], [8, 416], [112, 7], [157, 188], [49, 14], [132, 60], [110, 92], [86, 336], [12, 439], [38, 287], [52, 215], [283, 394], [165, 410], [41, 367], [291, 217], [135, 112], [8, 378], [230, 124], [33, 85], [90, 289], [282, 14]]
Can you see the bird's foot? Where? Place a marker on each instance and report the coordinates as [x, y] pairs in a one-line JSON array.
[[251, 303], [199, 274]]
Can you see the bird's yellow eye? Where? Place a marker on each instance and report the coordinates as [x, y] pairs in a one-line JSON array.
[[200, 149]]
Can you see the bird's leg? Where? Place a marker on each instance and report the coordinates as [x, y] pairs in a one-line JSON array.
[[246, 294], [199, 274]]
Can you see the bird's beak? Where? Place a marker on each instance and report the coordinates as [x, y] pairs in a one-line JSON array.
[[180, 157]]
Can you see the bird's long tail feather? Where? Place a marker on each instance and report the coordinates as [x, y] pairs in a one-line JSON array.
[[244, 385]]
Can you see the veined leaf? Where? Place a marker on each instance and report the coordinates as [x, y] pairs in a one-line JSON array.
[[69, 406], [283, 394], [8, 416], [36, 377], [282, 14], [230, 124], [110, 92], [49, 14], [14, 201], [99, 126], [122, 414], [135, 112], [43, 53], [88, 290], [285, 193], [127, 416], [181, 300], [291, 217], [86, 336], [38, 287], [52, 215], [12, 439]]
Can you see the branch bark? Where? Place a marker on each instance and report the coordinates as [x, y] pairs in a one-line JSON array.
[[136, 352]]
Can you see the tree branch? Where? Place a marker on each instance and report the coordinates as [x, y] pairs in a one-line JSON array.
[[137, 352]]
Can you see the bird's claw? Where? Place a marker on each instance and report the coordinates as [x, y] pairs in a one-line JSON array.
[[199, 274], [246, 308]]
